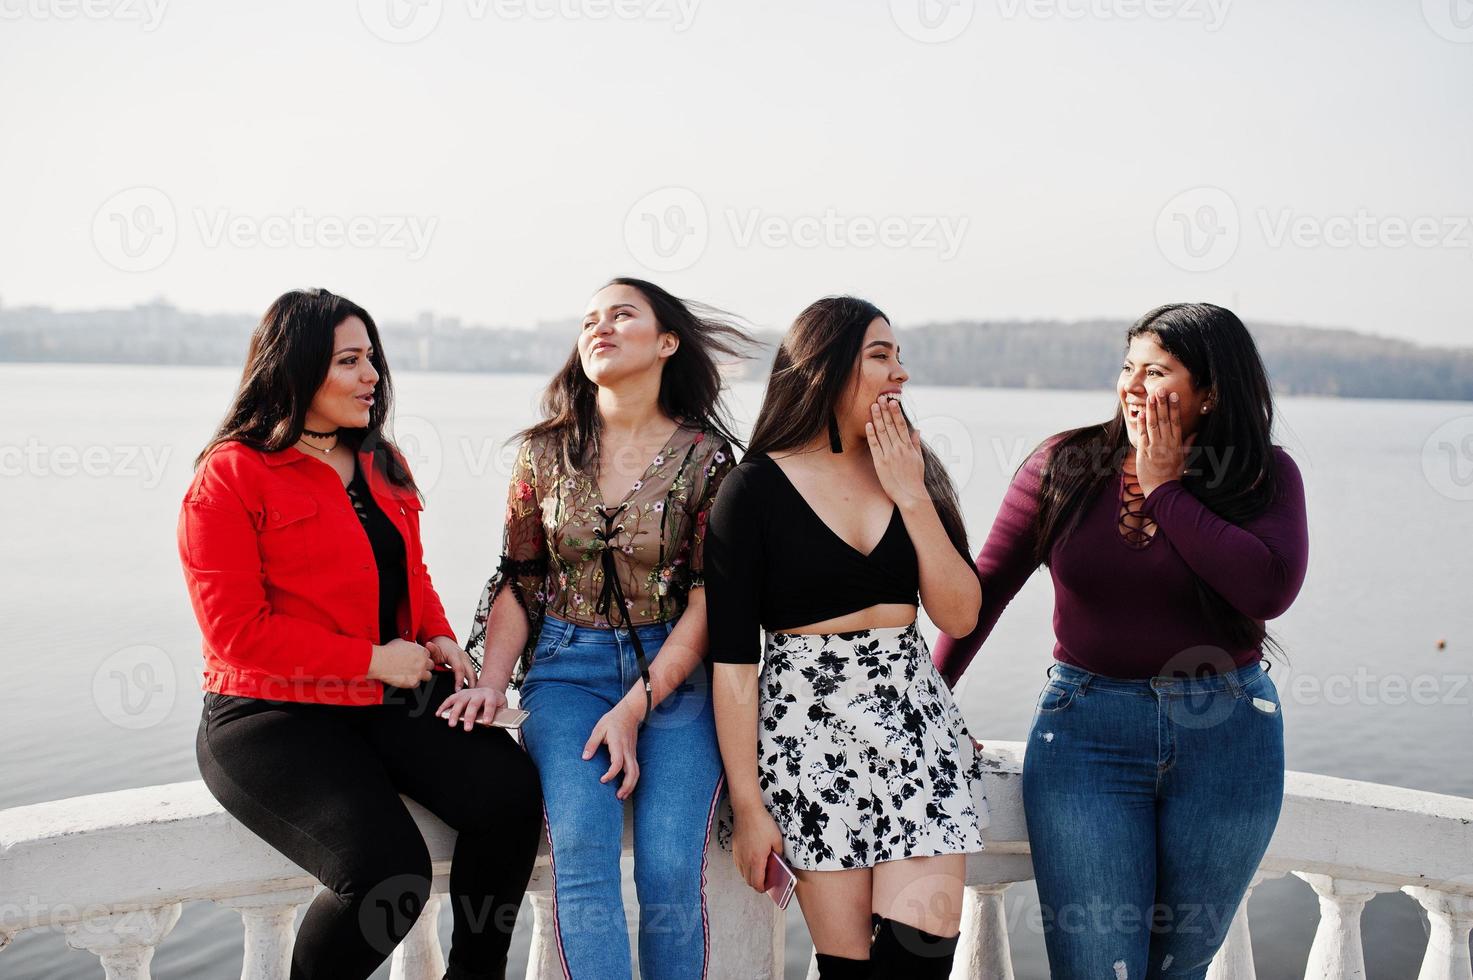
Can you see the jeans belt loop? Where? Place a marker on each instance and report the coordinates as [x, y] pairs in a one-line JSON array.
[[1235, 685], [1084, 684]]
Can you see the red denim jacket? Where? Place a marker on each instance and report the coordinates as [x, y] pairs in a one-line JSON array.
[[282, 577]]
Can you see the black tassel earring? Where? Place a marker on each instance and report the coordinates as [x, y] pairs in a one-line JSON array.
[[836, 445]]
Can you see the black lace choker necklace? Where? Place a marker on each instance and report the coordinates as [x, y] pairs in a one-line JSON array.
[[319, 435]]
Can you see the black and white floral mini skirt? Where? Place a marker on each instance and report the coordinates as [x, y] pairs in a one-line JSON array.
[[862, 755]]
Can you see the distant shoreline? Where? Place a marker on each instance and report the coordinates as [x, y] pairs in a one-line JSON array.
[[1105, 390], [1037, 355]]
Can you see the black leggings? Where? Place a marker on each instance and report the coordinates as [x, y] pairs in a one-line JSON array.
[[321, 784]]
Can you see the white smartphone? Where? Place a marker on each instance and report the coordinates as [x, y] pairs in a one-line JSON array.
[[507, 718]]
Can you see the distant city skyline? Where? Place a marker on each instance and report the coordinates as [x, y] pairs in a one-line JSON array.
[[497, 160], [965, 353], [430, 319]]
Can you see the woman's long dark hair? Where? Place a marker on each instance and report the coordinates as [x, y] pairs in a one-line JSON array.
[[1230, 464], [289, 357], [814, 368], [690, 385]]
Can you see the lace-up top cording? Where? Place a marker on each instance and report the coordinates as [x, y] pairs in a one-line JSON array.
[[1137, 529], [568, 552]]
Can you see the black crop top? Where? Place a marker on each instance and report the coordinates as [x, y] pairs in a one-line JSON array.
[[773, 564]]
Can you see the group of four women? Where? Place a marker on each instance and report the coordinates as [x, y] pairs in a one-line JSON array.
[[641, 568]]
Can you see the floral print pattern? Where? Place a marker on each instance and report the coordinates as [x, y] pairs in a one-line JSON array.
[[862, 755], [552, 560]]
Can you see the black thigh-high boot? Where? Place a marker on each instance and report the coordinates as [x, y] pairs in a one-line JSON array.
[[903, 952], [840, 968]]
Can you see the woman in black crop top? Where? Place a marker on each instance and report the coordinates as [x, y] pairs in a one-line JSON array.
[[850, 759]]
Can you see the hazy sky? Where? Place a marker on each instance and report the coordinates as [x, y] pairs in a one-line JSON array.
[[1306, 161]]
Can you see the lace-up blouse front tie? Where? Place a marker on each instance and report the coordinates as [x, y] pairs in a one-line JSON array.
[[556, 533]]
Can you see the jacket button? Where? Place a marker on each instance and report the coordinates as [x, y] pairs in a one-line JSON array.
[[276, 515]]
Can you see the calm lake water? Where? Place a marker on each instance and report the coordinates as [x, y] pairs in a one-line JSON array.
[[95, 460]]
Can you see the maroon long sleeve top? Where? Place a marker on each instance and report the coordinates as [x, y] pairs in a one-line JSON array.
[[1127, 611]]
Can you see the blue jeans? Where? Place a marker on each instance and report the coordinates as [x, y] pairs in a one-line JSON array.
[[1149, 805], [578, 673]]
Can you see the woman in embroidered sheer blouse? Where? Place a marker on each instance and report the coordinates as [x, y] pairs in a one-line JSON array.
[[597, 614]]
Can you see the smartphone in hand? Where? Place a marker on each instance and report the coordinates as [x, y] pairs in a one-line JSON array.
[[780, 881], [507, 718]]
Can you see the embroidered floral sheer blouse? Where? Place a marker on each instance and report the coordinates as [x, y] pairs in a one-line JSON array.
[[552, 551]]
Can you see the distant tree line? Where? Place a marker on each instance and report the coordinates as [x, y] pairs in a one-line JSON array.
[[991, 354]]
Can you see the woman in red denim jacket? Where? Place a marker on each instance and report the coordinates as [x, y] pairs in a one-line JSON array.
[[327, 653]]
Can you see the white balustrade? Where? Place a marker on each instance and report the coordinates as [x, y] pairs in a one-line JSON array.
[[111, 872], [269, 921], [1235, 960], [124, 941], [1451, 918], [419, 956], [1337, 953]]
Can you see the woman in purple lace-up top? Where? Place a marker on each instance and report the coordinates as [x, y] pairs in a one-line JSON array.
[[1154, 769]]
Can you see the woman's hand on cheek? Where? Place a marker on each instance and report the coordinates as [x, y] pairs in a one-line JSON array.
[[896, 451], [1160, 450]]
